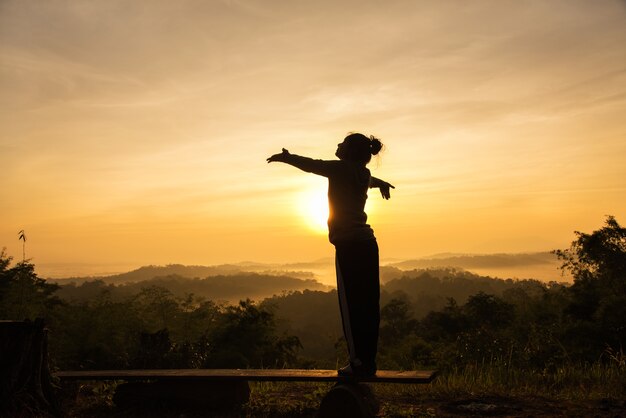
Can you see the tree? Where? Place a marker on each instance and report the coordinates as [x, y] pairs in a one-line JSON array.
[[597, 261], [397, 320], [22, 237], [158, 305], [247, 338], [488, 311], [24, 295]]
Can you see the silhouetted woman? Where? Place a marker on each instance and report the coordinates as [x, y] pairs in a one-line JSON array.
[[356, 256]]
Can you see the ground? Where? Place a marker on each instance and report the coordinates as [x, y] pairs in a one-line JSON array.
[[303, 400]]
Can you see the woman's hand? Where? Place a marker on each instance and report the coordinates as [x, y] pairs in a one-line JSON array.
[[383, 186], [278, 157], [384, 189]]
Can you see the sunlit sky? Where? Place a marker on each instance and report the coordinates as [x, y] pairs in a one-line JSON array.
[[136, 132]]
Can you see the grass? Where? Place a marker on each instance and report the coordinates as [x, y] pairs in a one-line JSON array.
[[596, 381], [581, 390], [285, 399]]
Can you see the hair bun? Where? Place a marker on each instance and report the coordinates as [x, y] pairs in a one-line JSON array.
[[375, 145]]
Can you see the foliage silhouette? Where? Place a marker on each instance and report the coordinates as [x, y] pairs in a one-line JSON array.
[[597, 309], [22, 293]]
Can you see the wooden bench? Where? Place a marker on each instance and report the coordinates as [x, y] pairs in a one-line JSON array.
[[229, 387], [267, 375]]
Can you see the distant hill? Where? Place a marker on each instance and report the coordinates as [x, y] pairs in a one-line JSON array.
[[430, 289], [542, 266], [150, 272], [228, 288], [479, 260]]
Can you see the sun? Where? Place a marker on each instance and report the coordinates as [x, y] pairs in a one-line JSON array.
[[313, 208]]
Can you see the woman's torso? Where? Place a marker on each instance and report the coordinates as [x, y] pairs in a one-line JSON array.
[[347, 194]]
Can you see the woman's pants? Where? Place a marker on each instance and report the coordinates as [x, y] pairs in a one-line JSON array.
[[359, 293]]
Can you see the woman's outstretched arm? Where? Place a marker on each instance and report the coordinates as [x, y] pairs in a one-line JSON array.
[[376, 183], [320, 167]]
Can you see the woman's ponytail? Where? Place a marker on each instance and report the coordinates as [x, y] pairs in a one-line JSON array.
[[375, 145]]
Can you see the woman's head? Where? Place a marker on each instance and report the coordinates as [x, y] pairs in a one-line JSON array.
[[358, 148]]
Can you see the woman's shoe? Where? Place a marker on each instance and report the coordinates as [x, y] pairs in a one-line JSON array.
[[351, 370]]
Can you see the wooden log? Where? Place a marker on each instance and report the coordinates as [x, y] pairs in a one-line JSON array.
[[182, 393], [25, 379], [349, 400]]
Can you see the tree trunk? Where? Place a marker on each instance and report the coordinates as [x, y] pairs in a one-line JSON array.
[[25, 380]]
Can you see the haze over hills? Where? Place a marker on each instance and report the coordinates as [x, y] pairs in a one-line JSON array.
[[543, 266], [319, 274], [227, 282]]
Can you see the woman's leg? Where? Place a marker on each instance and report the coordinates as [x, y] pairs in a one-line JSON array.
[[359, 293]]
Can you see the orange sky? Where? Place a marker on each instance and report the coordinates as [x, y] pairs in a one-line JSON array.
[[136, 132]]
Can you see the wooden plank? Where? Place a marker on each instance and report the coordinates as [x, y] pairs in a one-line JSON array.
[[299, 375]]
